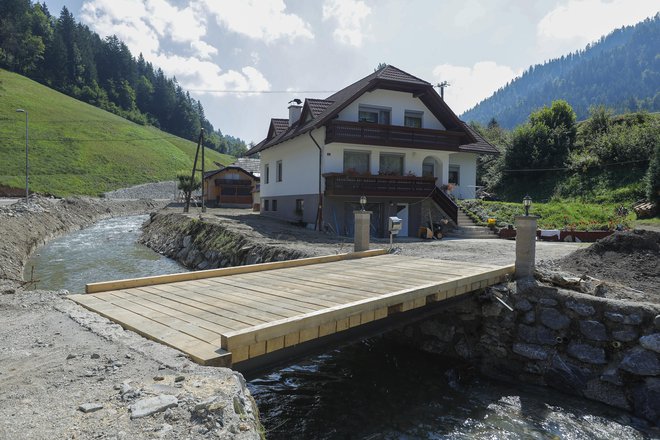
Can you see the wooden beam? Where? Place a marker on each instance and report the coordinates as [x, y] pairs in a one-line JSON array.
[[200, 274]]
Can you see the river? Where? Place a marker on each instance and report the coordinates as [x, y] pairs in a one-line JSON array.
[[376, 389]]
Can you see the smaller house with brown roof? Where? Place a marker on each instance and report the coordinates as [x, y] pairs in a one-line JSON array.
[[389, 137], [232, 186]]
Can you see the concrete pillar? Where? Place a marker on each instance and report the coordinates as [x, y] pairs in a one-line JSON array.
[[525, 245], [362, 225]]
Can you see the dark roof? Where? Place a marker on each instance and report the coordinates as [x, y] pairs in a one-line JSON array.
[[248, 164], [317, 112], [480, 146], [252, 167]]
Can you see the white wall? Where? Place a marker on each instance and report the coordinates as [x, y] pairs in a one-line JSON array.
[[467, 174], [399, 102], [300, 166], [412, 161]]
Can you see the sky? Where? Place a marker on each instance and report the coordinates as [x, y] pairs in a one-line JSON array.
[[246, 59]]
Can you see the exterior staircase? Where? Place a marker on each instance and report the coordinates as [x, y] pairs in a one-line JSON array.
[[468, 229]]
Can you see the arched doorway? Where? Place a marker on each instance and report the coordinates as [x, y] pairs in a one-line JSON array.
[[432, 167]]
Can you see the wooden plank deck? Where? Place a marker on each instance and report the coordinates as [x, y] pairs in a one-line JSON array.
[[226, 316]]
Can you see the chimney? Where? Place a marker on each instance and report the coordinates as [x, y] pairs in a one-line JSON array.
[[294, 111]]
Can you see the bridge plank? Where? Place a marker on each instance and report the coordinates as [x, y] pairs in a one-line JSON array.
[[246, 314]]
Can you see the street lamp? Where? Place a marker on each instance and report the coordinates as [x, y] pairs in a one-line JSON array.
[[27, 163], [527, 202], [363, 201]]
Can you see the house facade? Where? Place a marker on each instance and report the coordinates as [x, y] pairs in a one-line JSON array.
[[389, 137], [233, 185]]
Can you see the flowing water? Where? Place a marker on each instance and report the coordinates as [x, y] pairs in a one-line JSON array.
[[108, 250], [375, 389]]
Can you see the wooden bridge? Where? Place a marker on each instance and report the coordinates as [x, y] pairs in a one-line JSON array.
[[227, 316]]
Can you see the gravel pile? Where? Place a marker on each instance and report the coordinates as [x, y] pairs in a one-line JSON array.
[[155, 191]]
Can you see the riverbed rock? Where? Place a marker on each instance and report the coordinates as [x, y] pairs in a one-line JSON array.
[[554, 319], [566, 376], [607, 393], [625, 335], [152, 405], [581, 309], [530, 351], [651, 342], [646, 399], [90, 407], [523, 305], [640, 362], [593, 330], [587, 353]]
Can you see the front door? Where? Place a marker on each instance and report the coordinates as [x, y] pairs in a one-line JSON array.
[[402, 213]]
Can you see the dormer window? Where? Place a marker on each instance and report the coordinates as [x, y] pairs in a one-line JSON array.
[[374, 115]]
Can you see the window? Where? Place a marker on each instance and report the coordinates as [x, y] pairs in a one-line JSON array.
[[300, 206], [356, 162], [274, 205], [266, 205], [455, 174], [278, 173], [391, 164], [412, 119], [374, 115], [267, 175], [428, 170]]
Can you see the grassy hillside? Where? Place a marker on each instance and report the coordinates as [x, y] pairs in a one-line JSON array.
[[76, 148]]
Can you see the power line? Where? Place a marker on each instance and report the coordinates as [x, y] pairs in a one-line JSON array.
[[568, 168], [293, 92]]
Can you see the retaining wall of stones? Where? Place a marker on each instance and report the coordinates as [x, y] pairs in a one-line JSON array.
[[602, 349], [203, 245]]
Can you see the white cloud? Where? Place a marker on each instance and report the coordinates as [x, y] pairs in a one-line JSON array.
[[574, 23], [202, 77], [469, 85], [144, 25], [260, 20], [350, 15]]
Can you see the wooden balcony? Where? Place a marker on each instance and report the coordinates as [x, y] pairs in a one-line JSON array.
[[338, 184], [392, 136]]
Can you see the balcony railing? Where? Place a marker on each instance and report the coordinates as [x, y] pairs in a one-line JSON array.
[[337, 184], [392, 135]]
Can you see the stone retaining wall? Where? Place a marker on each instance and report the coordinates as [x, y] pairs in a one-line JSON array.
[[203, 245], [602, 349]]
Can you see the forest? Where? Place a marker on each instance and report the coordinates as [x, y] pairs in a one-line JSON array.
[[620, 71], [69, 57], [607, 158]]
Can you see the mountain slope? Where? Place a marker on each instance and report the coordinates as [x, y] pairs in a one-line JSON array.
[[621, 71], [76, 148]]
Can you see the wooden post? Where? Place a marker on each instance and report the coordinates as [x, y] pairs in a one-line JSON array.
[[186, 207]]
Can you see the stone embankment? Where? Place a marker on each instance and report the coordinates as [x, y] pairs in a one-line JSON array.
[[199, 244], [599, 348]]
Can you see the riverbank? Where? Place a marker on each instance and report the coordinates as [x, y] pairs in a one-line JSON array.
[[24, 227], [70, 373]]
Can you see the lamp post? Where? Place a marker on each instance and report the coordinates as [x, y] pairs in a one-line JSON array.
[[527, 203], [27, 163]]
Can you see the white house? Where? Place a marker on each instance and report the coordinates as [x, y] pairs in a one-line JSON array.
[[388, 136]]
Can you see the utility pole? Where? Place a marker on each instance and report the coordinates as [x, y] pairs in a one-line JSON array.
[[27, 160], [200, 144], [442, 86]]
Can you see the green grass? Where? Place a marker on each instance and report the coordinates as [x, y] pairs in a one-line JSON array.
[[554, 215], [76, 148]]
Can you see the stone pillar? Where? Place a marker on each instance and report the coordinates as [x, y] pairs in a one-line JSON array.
[[362, 225], [525, 245]]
